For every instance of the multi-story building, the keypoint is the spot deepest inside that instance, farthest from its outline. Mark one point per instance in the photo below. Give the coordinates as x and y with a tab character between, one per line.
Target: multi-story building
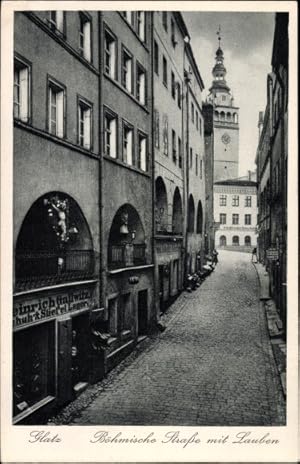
235	209
56	207
209	235
195	159
226	123
277	113
126	179
169	31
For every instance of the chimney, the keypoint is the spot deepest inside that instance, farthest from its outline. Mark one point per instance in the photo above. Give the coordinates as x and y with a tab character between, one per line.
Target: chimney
260	122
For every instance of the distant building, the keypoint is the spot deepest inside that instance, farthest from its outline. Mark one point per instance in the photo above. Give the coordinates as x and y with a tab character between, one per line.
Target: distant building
235	211
226	123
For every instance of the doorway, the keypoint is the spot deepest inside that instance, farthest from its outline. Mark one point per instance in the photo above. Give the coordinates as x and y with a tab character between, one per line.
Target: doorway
80	349
142	312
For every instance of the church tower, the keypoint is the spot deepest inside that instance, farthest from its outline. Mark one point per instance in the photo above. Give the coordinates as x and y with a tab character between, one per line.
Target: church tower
226	122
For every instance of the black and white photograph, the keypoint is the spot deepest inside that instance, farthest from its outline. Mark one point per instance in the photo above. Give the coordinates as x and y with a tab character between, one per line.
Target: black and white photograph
150	219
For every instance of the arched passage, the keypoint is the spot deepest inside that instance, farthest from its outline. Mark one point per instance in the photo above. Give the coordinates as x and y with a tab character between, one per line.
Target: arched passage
199	218
126	243
161	205
54	242
177	218
217	115
235	117
223	241
228	117
191	214
235	240
222	116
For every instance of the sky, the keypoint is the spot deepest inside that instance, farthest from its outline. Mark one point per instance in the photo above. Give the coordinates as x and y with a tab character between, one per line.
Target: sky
247	40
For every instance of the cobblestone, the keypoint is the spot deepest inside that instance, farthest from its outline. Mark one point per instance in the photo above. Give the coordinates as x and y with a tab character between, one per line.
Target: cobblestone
213	365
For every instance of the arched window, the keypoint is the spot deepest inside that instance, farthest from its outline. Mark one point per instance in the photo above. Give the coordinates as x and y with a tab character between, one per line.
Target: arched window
223	241
191	215
222	116
217	115
161	206
199	218
235	117
228	117
247	240
177	218
235	240
54	244
126	243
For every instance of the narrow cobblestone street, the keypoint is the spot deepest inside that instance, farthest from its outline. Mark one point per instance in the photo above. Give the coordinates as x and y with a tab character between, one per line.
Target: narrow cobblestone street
212	366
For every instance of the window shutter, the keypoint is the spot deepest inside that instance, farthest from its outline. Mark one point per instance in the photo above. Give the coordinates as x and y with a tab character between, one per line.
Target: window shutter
87	128
87	40
24	94
113	138
60	20
60	114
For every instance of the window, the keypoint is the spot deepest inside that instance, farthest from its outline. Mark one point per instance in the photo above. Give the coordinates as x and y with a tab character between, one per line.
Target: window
223	97
142	152
165	72
56	21
21	91
247	219
174	146
129	16
200	121
248	201
84	124
223	200
56	109
193	112
140	84
247	240
85	36
196	162
128	145
173	36
235	219
110	134
140	24
156	58
191	157
201	168
173	89
110	55
166	134
222	218
178	94
127	70
165	20
235	200
197	120
156	128
179	153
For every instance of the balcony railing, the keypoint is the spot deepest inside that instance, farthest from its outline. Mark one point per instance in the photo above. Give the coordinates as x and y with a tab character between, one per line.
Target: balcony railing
42	268
126	255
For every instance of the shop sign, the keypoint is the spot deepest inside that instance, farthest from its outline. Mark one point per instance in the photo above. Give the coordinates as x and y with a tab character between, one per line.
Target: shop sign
168	247
32	310
272	254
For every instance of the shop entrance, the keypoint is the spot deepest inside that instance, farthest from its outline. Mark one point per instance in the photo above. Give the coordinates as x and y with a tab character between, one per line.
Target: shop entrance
142	312
80	349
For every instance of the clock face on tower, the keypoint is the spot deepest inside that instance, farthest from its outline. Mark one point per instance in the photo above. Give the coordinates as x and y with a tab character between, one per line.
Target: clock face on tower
225	138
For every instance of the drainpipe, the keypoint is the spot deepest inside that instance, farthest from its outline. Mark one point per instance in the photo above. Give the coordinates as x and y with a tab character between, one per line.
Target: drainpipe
100	102
156	305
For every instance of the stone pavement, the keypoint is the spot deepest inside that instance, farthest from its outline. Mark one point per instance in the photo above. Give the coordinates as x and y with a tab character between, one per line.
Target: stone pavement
213	365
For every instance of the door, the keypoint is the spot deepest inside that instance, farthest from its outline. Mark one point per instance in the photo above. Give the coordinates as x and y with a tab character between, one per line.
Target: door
80	349
142	312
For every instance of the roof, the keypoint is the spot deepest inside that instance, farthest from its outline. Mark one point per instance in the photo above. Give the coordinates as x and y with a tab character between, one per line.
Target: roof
241	183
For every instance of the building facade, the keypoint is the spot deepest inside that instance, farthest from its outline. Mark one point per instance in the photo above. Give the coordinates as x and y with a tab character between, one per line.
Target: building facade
209	235
226	123
235	210
56	208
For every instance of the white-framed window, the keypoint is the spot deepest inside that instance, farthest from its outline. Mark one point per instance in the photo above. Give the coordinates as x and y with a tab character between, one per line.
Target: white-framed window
222	218
110	134
56	99
21	91
142	152
223	200
85	40
235	200
248	201
110	55
128	144
84	124
140	84
235	219
141	24
57	21
127	70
